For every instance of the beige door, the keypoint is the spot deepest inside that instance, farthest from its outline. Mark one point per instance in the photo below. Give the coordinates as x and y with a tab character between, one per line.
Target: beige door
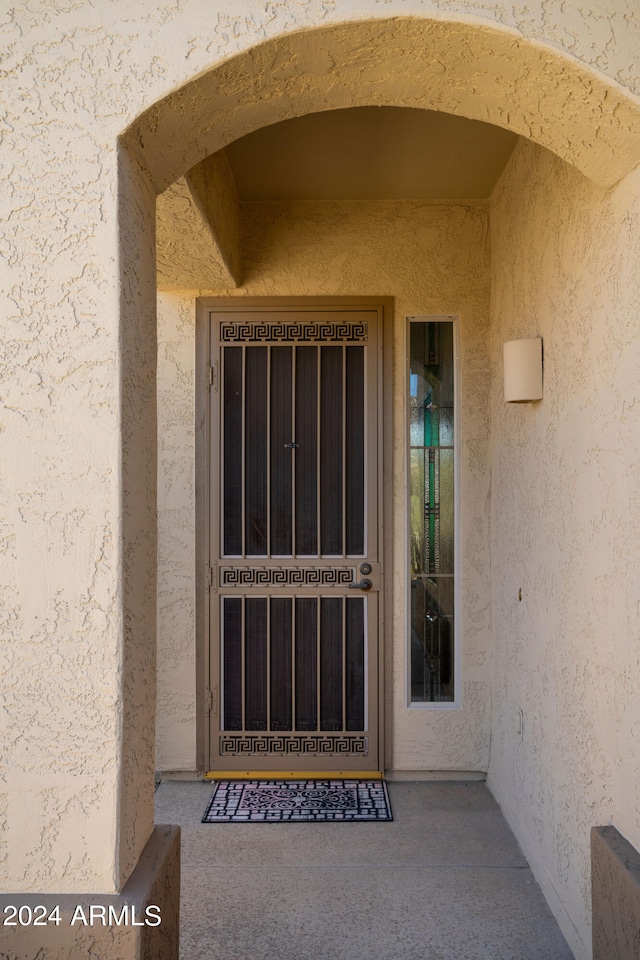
294	539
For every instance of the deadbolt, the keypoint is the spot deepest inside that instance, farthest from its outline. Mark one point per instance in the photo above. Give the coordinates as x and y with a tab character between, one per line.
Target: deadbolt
365	568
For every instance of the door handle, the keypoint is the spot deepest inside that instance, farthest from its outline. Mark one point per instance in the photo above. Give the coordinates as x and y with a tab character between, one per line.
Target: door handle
362	585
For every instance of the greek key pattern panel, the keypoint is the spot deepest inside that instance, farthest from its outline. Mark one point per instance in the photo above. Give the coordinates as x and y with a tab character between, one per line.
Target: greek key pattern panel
260	331
306	744
287	576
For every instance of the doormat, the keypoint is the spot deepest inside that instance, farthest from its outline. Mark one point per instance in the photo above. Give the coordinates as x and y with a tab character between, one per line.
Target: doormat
298	801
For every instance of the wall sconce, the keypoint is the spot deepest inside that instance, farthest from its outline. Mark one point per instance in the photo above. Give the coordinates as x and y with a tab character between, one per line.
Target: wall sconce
523	370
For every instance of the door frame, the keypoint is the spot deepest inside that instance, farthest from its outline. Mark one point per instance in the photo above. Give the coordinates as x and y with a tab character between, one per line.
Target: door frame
203	456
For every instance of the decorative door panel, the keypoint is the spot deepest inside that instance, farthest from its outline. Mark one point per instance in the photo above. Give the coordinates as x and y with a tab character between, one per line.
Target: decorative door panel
294	540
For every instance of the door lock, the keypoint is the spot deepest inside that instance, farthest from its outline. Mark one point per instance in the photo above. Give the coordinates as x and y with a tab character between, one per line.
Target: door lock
365	568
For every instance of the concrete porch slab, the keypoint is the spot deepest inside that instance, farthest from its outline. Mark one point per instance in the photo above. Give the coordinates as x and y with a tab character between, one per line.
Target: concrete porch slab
444	881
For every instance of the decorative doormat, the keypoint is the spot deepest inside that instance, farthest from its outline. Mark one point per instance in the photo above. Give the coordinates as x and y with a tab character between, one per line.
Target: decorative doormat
298	801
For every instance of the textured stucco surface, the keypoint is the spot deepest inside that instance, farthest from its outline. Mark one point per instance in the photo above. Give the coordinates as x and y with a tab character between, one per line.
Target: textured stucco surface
77	448
198	229
61	609
155	881
136	664
187	253
615	895
433	259
213	187
459	68
566	521
176	708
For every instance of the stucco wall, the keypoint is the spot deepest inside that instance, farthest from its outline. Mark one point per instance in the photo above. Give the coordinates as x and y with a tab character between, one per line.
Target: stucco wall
76	74
566	521
456	66
177	665
433	259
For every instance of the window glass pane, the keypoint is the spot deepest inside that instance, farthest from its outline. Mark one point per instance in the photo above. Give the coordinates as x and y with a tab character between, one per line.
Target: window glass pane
445	518
432	639
431	520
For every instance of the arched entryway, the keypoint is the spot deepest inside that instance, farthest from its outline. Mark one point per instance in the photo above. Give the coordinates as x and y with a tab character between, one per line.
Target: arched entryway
457	67
464	69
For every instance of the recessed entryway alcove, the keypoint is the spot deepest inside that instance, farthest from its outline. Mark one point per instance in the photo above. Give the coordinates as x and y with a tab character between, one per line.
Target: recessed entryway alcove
458	69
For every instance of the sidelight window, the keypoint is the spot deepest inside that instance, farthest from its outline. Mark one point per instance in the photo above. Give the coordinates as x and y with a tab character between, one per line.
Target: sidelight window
432	541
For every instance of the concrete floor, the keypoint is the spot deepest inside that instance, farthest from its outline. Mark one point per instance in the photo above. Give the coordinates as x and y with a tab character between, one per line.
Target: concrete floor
445	880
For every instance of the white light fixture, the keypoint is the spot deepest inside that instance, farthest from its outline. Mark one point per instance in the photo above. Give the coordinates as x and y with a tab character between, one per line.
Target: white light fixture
523	370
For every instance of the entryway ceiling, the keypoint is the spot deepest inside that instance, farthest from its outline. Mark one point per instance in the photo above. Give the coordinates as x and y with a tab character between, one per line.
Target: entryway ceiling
355	154
371	153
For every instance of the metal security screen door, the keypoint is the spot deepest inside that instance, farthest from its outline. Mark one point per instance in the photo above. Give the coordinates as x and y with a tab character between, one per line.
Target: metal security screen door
294	539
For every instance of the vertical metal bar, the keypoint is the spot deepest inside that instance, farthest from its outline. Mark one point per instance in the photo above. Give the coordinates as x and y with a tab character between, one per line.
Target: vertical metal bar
344	664
268	457
365	658
343	354
243	685
318	461
294	387
221	697
369	469
293	664
318	677
243	501
221	464
268	662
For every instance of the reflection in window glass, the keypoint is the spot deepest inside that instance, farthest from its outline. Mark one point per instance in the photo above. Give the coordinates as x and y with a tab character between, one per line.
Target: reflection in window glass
431	465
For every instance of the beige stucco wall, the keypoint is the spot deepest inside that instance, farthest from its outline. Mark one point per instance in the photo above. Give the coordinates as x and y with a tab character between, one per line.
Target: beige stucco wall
566	522
76	443
177	660
459	67
434	259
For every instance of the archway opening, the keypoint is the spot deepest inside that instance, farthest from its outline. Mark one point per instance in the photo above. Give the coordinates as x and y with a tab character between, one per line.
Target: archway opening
460	69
